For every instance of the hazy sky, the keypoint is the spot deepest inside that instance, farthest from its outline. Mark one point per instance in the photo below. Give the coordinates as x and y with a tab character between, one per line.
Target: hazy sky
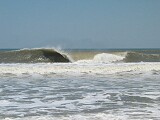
80	23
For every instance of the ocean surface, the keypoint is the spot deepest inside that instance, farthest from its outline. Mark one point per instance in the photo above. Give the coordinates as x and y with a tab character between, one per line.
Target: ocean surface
49	84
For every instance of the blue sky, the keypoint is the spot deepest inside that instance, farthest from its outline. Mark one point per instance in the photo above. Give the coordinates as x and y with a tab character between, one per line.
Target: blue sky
80	23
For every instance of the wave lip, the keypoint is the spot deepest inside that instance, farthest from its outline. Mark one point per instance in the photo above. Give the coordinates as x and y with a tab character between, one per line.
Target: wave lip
40	55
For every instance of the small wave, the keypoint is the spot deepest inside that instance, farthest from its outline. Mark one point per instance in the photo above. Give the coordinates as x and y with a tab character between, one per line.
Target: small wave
141	57
39	55
117	56
104	58
128	57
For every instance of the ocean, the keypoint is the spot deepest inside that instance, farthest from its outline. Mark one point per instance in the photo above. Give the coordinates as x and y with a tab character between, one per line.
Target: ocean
76	84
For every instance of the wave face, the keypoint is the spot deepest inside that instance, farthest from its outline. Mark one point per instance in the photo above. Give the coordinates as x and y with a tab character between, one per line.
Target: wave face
141	57
33	56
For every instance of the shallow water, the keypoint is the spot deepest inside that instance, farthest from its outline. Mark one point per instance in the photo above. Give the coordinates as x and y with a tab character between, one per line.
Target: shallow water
80	91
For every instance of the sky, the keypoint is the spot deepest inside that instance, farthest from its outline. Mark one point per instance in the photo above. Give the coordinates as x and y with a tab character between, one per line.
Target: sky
80	24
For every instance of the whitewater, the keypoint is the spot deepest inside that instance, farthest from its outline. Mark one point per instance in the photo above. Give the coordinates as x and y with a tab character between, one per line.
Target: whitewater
46	84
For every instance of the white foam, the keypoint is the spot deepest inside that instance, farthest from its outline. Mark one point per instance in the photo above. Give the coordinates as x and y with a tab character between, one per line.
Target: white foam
107	58
151	95
1	90
98	116
87	100
103	58
5	103
74	69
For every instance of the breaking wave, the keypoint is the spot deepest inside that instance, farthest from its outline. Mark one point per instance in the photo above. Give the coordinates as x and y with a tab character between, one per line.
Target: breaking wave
41	55
107	58
125	57
103	58
48	55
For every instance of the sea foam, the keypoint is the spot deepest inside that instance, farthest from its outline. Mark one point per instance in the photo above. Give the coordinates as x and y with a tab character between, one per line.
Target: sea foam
99	116
75	69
